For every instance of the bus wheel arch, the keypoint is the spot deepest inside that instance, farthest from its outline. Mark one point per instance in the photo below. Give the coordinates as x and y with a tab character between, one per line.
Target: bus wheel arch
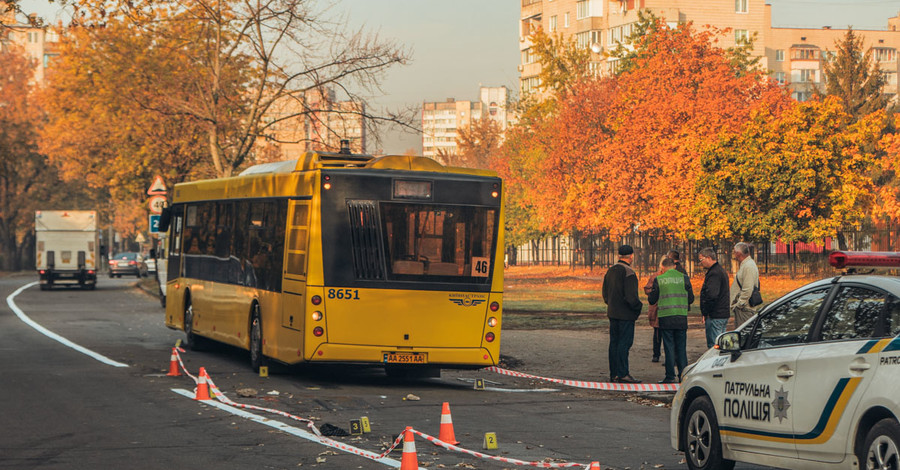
257	359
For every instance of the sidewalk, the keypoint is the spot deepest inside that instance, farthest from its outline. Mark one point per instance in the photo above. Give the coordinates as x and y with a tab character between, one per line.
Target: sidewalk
582	354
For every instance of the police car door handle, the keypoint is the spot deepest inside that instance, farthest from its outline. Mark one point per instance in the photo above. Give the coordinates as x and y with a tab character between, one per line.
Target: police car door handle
785	374
860	366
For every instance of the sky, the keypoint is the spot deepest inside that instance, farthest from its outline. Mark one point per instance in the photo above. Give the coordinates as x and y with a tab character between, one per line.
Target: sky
459	45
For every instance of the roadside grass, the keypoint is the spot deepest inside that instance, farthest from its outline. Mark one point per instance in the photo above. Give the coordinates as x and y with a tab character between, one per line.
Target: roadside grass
550	297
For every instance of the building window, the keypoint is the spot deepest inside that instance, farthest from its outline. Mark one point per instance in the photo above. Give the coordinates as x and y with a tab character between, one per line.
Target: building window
779	77
884	54
553	24
805	54
779	55
801	95
583	39
808	76
566	20
582	9
740	6
741	36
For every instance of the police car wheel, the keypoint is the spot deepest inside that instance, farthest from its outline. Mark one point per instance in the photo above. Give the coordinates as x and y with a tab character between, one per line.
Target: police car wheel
882	448
702	444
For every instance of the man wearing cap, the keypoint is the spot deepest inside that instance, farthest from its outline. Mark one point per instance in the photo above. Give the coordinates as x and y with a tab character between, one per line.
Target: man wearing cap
620	292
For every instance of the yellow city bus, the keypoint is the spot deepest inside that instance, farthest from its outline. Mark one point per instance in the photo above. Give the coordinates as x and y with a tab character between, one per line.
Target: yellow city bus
342	258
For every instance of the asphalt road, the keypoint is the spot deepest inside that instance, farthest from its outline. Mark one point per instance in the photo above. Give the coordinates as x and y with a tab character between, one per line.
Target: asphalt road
60	408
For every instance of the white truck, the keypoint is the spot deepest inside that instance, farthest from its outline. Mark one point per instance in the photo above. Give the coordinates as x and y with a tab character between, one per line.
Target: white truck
67	244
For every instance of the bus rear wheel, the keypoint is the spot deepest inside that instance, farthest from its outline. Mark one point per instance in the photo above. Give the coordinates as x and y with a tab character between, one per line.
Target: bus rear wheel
257	359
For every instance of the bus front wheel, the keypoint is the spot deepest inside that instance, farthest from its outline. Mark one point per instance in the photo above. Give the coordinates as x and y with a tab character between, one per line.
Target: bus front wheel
257	359
191	340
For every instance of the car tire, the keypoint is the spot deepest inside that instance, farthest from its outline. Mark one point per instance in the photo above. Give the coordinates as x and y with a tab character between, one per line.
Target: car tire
257	359
702	442
192	341
882	446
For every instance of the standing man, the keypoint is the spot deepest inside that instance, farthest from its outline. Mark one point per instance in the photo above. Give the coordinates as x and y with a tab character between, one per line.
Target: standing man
745	280
620	292
715	303
672	293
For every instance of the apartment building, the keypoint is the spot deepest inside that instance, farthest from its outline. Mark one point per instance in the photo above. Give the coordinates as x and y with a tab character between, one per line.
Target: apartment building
441	121
39	43
794	56
315	121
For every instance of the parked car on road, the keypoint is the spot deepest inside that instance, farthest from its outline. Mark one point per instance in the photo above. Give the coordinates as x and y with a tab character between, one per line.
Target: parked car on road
810	382
127	263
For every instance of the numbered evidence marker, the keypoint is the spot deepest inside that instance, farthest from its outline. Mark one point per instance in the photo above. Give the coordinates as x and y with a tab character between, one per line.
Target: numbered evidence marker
263	371
490	441
366	427
479	384
355	427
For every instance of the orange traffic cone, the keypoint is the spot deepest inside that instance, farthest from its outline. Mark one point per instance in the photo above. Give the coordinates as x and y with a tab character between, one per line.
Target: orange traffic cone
594	466
446	431
173	365
409	461
202	386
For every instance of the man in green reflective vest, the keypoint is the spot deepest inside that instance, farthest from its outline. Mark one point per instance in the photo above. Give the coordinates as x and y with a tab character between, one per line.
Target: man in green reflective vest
672	293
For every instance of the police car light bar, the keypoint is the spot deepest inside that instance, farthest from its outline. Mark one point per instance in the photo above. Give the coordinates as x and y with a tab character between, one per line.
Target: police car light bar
843	259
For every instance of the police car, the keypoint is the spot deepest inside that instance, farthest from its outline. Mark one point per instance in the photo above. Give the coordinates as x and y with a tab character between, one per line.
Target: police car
812	381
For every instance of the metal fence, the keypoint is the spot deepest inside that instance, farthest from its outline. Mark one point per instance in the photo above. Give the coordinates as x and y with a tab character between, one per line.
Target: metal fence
792	259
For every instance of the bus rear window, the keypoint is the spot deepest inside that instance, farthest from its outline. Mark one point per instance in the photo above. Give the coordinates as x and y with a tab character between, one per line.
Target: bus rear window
435	241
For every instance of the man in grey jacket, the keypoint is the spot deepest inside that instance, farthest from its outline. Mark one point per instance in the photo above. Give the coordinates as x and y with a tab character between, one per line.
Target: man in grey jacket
746	278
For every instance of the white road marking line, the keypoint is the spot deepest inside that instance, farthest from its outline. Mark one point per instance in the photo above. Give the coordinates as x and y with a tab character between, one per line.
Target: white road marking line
28	321
286	428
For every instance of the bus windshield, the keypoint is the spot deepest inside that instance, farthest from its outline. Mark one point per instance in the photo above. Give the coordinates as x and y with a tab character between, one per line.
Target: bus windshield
439	240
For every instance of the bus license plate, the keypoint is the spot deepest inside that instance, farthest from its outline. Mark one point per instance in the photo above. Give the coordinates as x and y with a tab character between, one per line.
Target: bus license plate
405	358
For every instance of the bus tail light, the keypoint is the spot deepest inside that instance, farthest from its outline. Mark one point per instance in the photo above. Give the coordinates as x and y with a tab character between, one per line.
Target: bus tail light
495	306
41	271
317	315
492	322
318	331
489	337
316	300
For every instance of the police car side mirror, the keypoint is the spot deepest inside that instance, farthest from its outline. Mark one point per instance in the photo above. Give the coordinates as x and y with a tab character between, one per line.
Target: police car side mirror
730	342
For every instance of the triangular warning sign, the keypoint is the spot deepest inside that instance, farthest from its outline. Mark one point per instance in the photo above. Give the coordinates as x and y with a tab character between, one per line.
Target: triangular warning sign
158	186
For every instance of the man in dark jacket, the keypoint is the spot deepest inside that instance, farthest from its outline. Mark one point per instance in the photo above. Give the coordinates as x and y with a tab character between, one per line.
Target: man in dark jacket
672	294
715	304
620	292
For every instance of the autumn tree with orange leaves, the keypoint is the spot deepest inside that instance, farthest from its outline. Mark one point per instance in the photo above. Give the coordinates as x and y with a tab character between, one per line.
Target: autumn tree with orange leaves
623	152
27	181
801	174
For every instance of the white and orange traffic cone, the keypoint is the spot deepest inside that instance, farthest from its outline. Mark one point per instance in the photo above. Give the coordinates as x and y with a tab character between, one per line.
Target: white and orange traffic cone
174	371
202	386
446	432
409	461
594	466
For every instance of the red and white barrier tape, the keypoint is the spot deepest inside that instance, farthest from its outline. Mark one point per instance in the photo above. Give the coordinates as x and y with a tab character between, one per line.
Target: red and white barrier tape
618	387
480	455
371	455
309	423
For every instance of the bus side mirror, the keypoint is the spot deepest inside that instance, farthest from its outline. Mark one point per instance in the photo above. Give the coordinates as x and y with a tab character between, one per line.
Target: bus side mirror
164	218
